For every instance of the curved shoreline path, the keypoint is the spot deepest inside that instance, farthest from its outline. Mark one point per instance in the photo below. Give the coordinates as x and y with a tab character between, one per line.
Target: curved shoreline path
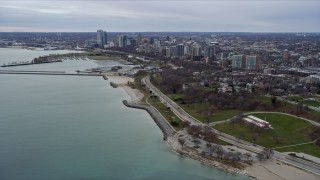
157	117
305	165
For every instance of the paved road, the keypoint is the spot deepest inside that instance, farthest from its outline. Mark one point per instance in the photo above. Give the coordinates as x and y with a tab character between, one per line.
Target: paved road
230	139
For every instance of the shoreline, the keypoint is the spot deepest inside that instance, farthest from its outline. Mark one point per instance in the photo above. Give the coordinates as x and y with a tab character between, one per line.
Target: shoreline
172	141
270	169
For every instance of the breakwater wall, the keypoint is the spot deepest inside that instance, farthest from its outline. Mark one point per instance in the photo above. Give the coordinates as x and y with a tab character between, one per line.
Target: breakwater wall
59	73
160	121
52	73
28	63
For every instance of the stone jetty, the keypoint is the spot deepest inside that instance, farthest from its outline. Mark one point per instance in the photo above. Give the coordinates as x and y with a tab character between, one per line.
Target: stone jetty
158	118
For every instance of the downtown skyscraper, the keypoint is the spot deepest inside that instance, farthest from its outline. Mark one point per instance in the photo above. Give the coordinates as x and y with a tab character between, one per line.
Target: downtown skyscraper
102	38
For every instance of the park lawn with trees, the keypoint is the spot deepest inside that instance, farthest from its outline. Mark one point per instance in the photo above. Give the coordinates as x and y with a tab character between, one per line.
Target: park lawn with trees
306	101
199	110
286	131
114	58
312	103
294	98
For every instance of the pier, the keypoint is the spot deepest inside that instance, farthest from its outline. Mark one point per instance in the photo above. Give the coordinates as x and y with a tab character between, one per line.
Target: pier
56	73
28	63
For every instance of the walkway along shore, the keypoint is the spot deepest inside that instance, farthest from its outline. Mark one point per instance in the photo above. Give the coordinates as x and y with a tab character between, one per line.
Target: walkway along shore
160	121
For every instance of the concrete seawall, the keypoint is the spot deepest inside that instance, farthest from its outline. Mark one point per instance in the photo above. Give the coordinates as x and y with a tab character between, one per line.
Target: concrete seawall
160	121
50	73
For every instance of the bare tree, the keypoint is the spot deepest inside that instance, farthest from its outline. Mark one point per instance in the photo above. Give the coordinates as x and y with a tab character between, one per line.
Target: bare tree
236	157
261	156
220	151
181	141
268	152
196	142
229	155
247	156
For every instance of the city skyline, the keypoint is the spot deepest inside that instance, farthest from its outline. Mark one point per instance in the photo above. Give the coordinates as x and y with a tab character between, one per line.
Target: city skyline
159	16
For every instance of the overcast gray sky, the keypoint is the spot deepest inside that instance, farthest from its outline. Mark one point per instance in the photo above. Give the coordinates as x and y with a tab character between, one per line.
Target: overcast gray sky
160	15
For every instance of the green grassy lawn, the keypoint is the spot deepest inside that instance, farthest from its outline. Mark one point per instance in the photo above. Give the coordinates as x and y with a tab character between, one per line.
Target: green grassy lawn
224	114
295	98
141	88
167	113
115	58
291	109
175	96
315	103
311	149
196	110
287	131
218	141
311	103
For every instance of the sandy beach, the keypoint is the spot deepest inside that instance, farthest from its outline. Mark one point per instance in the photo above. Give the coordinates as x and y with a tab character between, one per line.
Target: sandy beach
277	170
122	82
271	169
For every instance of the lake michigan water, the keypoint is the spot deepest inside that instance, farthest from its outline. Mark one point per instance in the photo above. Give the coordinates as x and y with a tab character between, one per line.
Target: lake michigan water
63	127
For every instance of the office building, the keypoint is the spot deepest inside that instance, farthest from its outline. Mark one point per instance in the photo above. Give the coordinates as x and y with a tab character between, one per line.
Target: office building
196	50
209	53
252	62
122	40
173	51
102	38
238	61
180	50
168	54
133	42
196	53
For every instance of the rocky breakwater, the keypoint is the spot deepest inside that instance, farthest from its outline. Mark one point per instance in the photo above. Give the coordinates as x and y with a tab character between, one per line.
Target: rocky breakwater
158	118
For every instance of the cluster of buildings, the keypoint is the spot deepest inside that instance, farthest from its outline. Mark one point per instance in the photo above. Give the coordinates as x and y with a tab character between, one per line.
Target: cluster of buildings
47	41
253	52
250	62
276	64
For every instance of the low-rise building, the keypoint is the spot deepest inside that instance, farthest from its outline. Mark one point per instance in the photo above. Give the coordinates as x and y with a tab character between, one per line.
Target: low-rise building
257	122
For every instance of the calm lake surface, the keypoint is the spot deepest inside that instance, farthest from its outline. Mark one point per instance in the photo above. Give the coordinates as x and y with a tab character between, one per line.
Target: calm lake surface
62	127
